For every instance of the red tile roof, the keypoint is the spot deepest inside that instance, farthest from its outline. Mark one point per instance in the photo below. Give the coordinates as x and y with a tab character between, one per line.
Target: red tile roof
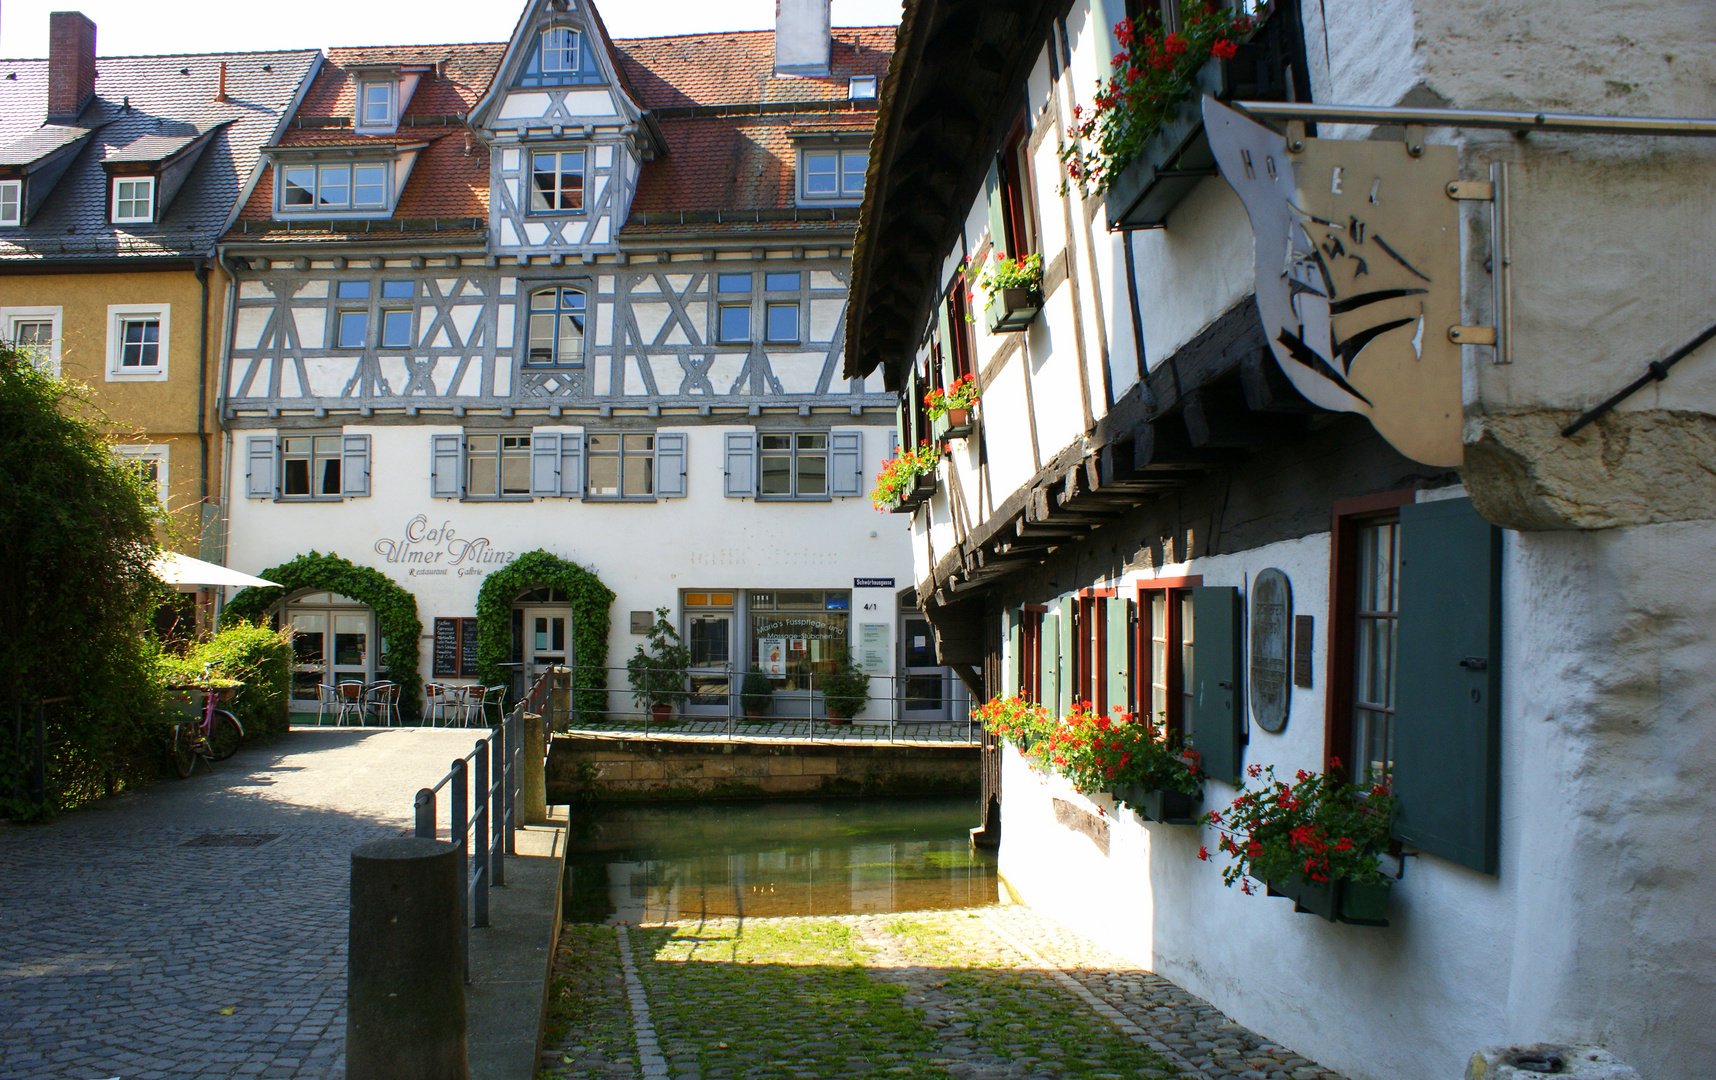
738	68
462	74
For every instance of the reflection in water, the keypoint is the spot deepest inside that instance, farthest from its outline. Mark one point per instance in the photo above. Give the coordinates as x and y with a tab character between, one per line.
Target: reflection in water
640	864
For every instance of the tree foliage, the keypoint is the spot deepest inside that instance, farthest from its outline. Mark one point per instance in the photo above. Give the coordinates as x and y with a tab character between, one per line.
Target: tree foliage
395	610
77	534
590	601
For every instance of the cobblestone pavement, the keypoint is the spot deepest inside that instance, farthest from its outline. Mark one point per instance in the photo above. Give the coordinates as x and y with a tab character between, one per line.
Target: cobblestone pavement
197	928
980	994
914	733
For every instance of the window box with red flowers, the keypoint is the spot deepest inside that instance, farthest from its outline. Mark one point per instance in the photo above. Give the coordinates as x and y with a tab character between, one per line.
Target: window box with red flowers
954	403
1015	289
1142	146
1317	841
1123	755
1016	720
905	480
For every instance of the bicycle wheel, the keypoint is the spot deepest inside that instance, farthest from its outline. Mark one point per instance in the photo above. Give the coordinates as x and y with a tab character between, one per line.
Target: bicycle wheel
225	737
183	749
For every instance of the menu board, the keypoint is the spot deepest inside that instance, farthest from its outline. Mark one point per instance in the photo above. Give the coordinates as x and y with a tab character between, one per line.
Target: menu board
455	648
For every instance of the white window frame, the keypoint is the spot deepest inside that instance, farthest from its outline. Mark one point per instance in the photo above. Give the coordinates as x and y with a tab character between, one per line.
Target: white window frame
10	317
11	202
350	207
572	45
117	315
841	194
132	219
560	187
387	122
862	88
156	452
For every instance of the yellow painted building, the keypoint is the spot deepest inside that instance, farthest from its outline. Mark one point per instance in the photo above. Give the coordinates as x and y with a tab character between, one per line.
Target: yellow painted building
117	176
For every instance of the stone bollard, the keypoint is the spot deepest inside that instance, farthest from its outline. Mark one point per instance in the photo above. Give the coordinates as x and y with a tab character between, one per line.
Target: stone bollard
1540	1059
405	981
532	805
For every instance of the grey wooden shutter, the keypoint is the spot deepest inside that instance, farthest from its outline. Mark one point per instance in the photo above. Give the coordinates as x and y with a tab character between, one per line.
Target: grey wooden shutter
1049	661
1066	658
1216	694
741	465
354	465
446	456
1447	720
997	221
670	464
846	463
545	463
1015	642
572	464
1119	615
259	472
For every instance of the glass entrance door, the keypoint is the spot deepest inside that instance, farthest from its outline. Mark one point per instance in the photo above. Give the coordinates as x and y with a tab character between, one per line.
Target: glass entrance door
923	683
709	636
547	641
309	655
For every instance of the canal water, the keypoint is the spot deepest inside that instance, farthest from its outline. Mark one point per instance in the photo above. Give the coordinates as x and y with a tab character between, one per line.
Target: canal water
664	863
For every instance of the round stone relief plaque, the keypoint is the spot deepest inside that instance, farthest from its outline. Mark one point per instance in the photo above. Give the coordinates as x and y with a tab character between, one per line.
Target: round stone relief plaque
1271	623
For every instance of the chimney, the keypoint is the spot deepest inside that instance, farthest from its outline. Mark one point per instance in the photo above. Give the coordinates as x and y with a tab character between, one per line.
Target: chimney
801	37
220	91
71	64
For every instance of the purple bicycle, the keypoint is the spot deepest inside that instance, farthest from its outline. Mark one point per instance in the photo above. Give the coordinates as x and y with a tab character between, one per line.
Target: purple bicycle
206	731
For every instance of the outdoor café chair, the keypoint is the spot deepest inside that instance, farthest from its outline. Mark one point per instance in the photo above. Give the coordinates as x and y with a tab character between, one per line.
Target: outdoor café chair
326	698
493	695
350	701
437	696
383	698
470	704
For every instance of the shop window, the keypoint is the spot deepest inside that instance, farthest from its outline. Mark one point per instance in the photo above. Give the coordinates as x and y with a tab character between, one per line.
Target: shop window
497	466
793	466
556	328
798	635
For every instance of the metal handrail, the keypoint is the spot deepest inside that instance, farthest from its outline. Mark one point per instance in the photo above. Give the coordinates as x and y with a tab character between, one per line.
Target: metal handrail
489	771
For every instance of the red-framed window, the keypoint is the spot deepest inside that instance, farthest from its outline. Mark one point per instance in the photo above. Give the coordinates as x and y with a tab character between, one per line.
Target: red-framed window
1031	653
1364	627
1018	237
1165	636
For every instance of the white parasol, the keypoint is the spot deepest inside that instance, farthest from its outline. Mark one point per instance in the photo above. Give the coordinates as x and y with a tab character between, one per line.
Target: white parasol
184	571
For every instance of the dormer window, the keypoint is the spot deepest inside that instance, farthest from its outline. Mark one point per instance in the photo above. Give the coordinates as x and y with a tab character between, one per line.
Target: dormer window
333	188
561	57
861	88
557	182
11	202
134	200
375	104
832	175
559	50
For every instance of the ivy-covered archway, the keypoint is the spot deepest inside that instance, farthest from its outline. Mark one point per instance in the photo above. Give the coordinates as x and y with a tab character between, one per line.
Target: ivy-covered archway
590	600
395	611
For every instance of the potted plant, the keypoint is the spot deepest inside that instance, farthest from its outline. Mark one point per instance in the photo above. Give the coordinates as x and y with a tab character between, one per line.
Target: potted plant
1317	841
1015	288
756	693
1143	147
906	479
657	673
1127	756
846	690
1015	720
954	403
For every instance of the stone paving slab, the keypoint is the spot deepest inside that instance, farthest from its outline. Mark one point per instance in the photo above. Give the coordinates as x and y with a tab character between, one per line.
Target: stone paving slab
130	952
978	994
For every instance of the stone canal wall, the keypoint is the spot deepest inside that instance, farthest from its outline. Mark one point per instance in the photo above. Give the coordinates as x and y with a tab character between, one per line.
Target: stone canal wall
617	768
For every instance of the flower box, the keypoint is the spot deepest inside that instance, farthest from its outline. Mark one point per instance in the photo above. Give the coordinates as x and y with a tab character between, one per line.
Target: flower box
1010	310
958	424
1173	161
1360	903
923	486
1164	805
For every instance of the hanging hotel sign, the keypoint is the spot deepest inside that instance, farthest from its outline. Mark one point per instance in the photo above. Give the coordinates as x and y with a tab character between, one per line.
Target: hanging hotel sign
438	550
1358	273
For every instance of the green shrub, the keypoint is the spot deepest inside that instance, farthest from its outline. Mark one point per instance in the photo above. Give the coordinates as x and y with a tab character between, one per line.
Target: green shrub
253	654
757	692
847	691
77	534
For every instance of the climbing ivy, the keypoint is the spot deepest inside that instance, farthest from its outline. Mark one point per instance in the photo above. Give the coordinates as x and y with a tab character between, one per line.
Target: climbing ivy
590	601
395	610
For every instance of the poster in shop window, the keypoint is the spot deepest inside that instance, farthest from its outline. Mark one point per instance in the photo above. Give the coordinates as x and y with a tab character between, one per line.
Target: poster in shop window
772	656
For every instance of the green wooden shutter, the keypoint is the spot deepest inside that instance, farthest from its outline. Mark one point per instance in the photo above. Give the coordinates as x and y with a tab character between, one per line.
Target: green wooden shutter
1048	661
1216	691
1066	659
1119	613
1015	642
1447	720
944	339
997	216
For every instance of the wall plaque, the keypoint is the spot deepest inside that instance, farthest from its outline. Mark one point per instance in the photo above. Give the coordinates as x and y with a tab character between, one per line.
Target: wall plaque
1304	634
1271	616
874	656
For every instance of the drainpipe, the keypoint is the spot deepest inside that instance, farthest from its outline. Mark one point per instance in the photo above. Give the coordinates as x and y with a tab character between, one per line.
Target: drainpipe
202	271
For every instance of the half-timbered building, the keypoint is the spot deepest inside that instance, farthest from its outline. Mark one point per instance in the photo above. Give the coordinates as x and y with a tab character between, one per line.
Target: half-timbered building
1327	438
581	295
